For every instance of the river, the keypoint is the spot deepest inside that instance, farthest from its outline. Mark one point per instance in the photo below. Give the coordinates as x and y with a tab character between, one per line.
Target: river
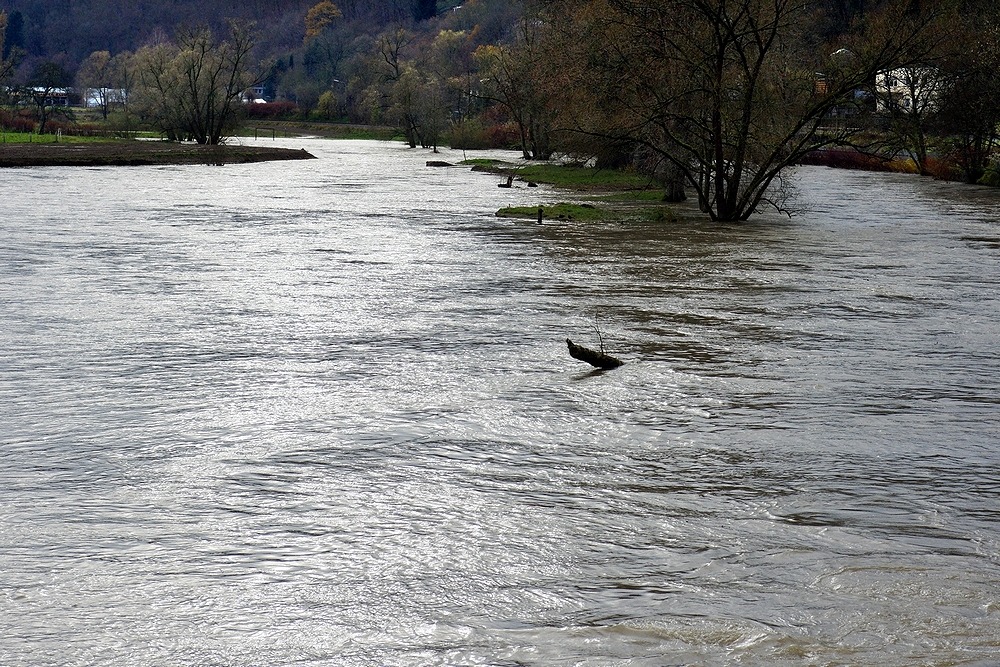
322	413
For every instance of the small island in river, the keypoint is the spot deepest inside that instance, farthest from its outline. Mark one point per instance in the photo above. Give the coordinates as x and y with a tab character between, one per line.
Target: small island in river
134	153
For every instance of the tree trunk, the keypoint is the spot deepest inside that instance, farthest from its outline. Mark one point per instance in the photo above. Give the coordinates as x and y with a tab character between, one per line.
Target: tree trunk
673	184
595	359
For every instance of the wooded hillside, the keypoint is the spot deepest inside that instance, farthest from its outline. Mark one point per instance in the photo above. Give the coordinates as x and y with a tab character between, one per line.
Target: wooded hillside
69	30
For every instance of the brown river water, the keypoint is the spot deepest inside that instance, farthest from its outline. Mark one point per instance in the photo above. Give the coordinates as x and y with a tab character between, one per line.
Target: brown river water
322	413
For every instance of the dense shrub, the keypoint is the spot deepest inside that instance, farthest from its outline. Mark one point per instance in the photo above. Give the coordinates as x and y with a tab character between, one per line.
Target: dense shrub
272	110
849	159
944	169
902	166
17	122
992	176
470	135
504	135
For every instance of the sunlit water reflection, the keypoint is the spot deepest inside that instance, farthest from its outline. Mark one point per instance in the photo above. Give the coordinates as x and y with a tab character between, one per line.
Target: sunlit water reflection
321	413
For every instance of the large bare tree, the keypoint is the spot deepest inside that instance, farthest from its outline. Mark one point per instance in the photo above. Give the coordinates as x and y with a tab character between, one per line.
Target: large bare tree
105	79
194	88
969	111
509	78
728	92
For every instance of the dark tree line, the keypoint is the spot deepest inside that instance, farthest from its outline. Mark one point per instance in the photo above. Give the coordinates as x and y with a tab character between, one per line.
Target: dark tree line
73	30
719	97
70	31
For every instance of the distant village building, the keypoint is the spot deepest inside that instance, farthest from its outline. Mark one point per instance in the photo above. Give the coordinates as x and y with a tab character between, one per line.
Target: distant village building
853	104
55	97
908	90
856	102
255	95
98	97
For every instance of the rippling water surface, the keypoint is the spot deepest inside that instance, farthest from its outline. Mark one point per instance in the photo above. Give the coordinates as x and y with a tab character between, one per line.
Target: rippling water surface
321	413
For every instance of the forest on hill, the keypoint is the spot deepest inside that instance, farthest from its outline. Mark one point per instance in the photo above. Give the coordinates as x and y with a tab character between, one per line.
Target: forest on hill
69	30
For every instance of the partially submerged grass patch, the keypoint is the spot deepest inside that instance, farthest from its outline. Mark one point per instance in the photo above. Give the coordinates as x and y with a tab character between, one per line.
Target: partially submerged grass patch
616	195
560	211
639	196
130	153
589	213
570	176
485	162
584	178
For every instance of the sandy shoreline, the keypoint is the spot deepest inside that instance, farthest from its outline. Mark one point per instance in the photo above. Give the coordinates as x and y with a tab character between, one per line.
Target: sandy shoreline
134	153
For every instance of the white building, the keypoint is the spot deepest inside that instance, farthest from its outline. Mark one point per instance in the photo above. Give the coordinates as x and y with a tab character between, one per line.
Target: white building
909	90
98	97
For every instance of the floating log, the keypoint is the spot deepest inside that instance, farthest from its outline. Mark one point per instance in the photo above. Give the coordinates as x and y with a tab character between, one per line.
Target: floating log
439	163
596	359
508	184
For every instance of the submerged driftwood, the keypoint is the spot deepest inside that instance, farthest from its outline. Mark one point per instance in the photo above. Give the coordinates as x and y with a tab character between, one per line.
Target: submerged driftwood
596	359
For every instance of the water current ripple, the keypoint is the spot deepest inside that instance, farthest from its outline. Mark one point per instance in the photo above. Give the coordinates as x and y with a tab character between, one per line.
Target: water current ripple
321	413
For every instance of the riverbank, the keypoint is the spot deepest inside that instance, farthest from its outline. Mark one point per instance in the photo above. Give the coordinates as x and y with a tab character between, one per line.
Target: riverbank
269	129
136	153
849	158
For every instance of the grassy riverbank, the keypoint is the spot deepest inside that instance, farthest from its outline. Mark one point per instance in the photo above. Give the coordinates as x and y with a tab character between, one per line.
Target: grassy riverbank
27	149
83	152
9	137
944	170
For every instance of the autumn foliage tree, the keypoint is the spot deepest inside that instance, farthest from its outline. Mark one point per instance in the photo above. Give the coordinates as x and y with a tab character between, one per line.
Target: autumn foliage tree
320	16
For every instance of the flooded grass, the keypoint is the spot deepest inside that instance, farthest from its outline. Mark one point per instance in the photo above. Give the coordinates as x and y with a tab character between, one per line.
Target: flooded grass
571	176
590	213
560	211
616	195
